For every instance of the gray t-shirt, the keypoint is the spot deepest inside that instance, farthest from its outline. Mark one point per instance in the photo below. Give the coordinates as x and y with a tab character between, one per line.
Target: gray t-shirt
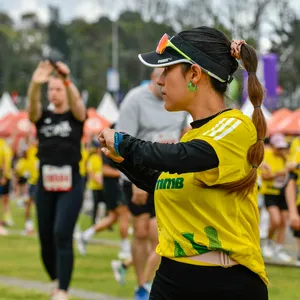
143	116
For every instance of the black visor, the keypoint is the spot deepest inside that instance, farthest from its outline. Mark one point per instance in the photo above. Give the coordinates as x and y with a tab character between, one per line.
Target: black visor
171	57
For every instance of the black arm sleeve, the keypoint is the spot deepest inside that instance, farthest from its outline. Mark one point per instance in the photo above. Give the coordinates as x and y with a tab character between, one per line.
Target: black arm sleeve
192	156
293	176
144	178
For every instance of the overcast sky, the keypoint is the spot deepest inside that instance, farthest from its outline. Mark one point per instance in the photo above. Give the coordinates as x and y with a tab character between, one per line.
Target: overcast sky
88	9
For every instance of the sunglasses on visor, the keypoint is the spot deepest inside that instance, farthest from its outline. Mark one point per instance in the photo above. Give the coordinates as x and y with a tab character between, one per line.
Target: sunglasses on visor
165	42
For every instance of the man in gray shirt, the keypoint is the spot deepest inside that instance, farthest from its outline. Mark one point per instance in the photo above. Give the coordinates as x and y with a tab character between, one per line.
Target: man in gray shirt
142	115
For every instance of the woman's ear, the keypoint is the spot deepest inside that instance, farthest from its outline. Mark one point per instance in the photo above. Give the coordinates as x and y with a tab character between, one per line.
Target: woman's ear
196	73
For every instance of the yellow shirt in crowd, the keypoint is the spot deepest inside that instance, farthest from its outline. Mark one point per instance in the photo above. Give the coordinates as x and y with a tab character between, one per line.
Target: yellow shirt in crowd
95	167
22	168
83	162
193	219
276	164
2	154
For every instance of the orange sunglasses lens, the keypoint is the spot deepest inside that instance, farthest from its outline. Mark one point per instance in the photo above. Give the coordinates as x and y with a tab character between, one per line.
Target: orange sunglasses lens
162	44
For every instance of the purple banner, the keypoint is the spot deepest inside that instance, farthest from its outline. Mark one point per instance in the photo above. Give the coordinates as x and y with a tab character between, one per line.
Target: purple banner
268	75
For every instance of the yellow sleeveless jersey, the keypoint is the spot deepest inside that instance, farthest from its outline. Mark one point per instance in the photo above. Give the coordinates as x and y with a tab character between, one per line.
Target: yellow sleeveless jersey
295	147
296	159
8	152
83	162
32	151
194	219
2	154
276	164
33	167
94	167
22	168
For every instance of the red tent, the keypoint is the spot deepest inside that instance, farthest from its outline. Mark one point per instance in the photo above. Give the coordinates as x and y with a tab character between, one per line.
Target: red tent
16	125
291	124
94	123
279	120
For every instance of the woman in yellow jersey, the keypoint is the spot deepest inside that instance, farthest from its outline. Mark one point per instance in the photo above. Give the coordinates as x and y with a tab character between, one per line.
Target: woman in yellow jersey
95	177
33	169
205	186
273	188
7	175
22	175
4	182
293	196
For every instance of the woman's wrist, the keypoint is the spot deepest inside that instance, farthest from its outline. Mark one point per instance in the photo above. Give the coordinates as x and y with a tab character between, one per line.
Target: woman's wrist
67	81
118	138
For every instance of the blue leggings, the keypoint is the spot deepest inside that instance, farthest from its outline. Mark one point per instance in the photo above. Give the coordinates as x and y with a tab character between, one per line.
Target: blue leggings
57	213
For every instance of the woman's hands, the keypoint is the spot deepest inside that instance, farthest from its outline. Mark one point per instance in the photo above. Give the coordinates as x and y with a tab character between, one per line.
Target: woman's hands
44	69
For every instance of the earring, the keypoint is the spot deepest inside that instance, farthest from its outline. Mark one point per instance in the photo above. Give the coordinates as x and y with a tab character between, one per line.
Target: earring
192	87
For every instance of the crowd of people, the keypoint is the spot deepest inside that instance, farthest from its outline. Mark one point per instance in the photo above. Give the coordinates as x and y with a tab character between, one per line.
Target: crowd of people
192	192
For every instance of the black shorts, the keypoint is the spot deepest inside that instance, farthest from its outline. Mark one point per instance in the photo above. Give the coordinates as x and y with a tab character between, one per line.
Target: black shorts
32	191
5	188
276	200
22	180
181	281
113	194
297	232
137	210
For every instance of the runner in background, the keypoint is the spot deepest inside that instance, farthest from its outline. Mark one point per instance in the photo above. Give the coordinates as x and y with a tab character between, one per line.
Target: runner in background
116	207
94	167
4	184
5	189
274	181
59	191
292	193
33	169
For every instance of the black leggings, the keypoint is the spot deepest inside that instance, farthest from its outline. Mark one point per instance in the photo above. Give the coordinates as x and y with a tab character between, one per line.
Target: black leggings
180	281
57	213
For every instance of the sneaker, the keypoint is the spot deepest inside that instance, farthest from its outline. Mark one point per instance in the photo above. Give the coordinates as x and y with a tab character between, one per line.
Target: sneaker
268	249
119	271
130	230
53	288
29	227
3	231
283	256
81	244
8	221
141	294
60	295
125	252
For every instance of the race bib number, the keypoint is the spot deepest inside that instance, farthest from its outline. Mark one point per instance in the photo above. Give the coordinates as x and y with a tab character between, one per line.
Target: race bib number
166	137
57	179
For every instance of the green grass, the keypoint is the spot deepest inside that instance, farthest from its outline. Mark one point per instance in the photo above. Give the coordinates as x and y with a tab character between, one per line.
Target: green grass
7	293
20	258
283	283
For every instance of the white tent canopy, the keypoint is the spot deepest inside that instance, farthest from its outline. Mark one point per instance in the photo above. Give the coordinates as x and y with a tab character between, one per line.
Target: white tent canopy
7	106
108	108
248	108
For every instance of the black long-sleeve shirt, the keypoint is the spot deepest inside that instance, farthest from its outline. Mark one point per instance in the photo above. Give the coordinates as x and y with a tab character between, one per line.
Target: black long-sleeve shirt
144	161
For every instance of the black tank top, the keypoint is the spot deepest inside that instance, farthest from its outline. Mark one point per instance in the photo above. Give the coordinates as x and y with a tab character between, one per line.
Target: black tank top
59	138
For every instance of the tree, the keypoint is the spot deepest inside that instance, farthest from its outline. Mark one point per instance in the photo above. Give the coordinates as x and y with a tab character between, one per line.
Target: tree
286	42
58	38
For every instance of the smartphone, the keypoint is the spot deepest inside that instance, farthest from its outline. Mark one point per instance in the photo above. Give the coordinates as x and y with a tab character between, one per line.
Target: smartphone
53	63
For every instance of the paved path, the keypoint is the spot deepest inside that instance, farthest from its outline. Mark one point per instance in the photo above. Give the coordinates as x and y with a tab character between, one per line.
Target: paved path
45	288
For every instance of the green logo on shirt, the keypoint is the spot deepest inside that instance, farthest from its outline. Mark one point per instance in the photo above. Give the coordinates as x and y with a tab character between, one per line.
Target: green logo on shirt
169	183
